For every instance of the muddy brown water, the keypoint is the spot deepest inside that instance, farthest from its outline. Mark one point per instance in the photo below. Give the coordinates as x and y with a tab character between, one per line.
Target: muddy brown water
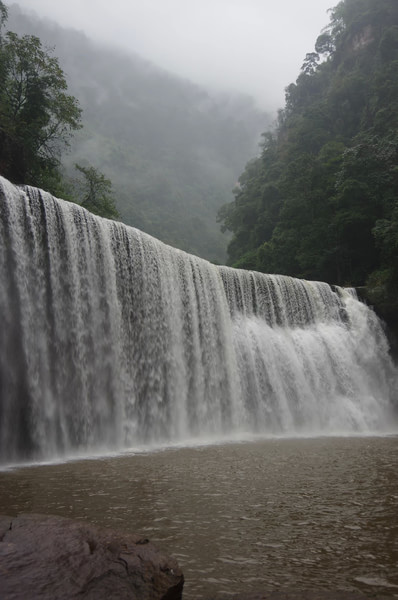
302	514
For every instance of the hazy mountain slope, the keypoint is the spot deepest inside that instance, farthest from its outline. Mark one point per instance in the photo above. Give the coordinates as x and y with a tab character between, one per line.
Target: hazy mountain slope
172	150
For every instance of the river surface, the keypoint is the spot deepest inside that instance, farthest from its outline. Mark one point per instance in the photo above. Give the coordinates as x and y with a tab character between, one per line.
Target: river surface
301	514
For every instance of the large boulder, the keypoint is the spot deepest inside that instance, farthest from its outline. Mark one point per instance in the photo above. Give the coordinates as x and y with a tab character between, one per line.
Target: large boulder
54	558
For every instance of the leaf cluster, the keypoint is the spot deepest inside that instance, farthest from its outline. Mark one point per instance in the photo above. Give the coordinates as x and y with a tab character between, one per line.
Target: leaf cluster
95	192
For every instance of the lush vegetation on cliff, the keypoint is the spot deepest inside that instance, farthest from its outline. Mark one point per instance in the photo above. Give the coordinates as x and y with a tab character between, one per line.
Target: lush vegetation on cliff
321	202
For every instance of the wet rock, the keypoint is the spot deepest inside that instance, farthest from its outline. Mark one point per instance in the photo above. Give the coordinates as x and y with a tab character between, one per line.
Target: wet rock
54	558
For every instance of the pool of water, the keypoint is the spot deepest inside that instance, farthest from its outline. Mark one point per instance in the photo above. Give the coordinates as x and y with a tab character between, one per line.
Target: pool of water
265	515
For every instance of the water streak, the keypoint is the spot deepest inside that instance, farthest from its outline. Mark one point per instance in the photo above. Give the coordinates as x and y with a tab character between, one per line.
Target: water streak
111	339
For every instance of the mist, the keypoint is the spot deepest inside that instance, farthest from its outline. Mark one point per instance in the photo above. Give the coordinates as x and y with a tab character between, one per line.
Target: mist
254	47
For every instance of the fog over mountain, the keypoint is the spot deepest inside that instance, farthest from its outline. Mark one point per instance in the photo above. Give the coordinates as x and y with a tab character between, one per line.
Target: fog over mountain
252	46
172	149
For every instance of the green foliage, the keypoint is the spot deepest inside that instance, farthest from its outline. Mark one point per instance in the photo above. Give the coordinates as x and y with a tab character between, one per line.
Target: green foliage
95	192
322	200
37	116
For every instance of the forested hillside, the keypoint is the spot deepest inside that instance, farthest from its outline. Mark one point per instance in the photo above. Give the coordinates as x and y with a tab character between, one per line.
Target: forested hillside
172	150
321	202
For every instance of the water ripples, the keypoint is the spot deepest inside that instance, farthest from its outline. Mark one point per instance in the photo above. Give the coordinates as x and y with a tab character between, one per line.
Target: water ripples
318	514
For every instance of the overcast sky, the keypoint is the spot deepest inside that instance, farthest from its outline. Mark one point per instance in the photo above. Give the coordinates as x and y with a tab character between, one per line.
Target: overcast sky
253	46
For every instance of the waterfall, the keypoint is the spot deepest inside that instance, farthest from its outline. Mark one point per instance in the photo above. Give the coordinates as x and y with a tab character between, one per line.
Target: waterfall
111	339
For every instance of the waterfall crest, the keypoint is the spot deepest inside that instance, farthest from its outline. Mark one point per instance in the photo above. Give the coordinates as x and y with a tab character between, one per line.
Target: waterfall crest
111	339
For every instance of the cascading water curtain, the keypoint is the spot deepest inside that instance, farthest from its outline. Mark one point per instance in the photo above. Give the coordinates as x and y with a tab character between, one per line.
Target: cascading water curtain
111	339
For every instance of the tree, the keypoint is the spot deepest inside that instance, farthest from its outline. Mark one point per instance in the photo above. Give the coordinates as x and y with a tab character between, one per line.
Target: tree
96	191
3	14
37	116
310	63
